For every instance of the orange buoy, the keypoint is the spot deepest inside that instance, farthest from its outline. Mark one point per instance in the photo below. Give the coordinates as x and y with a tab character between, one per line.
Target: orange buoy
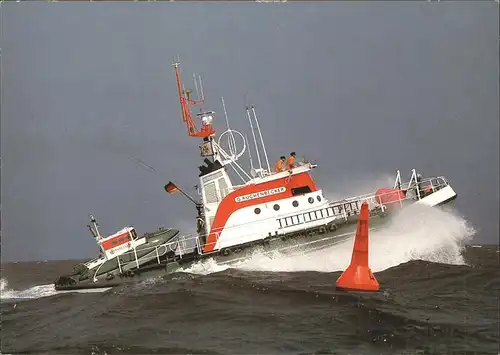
358	275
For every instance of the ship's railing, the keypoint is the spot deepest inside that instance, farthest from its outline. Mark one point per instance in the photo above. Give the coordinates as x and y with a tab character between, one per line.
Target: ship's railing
133	258
343	209
419	184
298	163
434	183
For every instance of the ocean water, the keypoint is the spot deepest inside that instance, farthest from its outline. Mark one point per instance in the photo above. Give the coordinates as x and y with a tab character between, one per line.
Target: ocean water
439	294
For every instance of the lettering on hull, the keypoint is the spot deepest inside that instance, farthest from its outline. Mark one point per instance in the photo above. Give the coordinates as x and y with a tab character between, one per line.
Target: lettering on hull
260	194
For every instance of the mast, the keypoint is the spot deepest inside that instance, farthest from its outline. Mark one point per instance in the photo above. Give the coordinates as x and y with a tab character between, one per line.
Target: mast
231	142
187	104
210	147
254	139
261	139
249	155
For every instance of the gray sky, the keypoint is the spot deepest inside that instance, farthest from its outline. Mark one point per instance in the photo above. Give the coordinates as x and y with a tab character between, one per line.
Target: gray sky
364	89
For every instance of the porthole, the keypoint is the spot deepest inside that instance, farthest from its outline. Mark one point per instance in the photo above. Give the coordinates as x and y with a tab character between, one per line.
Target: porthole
295	204
310	199
257	210
319	198
276	207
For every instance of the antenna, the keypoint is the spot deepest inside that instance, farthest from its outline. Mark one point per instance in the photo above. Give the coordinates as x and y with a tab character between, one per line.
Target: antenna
254	139
201	89
261	139
249	155
196	87
230	140
96	226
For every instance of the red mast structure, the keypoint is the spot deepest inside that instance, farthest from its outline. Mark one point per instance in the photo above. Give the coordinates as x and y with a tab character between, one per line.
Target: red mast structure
206	130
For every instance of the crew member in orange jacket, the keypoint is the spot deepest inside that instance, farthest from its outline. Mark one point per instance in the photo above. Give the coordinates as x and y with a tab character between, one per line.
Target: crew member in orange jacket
291	161
279	164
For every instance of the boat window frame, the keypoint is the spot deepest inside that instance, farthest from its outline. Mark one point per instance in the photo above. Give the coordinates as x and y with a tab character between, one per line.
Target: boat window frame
301	190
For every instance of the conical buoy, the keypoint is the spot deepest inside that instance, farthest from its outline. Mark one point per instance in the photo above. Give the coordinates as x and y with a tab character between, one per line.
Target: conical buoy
358	275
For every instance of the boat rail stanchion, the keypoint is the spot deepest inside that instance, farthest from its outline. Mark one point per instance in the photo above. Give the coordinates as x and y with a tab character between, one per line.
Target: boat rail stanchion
198	246
135	250
414	179
397	183
179	246
418	191
119	266
157	255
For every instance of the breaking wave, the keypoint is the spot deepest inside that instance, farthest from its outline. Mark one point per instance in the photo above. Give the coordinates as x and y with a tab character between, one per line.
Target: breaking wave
32	292
417	233
37	291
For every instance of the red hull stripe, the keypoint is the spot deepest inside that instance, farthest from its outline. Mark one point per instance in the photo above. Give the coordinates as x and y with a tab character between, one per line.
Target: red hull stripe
116	241
254	195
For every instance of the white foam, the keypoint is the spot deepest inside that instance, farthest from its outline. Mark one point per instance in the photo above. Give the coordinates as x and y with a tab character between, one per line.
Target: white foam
417	232
32	292
206	267
37	291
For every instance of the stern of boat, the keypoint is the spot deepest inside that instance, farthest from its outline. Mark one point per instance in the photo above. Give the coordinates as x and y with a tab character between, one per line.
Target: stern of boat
433	191
439	192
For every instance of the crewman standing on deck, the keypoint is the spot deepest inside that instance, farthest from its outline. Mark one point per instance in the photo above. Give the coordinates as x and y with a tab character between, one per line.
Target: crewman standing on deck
278	167
290	161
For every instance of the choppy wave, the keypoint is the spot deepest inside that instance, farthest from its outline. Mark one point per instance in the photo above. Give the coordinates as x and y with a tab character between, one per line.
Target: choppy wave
425	307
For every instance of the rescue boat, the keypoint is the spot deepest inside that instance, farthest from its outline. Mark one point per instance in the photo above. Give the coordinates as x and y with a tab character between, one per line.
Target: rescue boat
268	210
120	256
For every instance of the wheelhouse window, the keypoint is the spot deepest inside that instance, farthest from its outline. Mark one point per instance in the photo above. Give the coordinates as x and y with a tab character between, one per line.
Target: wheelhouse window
211	192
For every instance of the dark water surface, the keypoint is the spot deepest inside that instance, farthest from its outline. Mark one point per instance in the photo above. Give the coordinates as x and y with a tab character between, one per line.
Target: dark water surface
423	307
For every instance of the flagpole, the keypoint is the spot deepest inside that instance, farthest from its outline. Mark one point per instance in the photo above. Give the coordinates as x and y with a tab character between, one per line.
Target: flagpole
189	197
